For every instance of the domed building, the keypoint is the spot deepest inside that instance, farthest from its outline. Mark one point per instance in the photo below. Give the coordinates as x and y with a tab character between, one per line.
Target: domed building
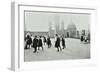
71	30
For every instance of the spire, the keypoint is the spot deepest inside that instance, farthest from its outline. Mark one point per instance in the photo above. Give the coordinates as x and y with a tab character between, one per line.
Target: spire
57	24
62	27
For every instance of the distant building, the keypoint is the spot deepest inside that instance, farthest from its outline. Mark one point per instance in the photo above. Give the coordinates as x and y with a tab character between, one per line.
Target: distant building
71	30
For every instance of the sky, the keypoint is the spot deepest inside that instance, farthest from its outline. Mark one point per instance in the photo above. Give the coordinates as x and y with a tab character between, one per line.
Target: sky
40	21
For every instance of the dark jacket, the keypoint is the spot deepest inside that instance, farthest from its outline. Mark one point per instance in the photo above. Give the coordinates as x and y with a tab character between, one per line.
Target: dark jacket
29	41
44	39
40	42
82	37
48	41
63	42
57	42
35	43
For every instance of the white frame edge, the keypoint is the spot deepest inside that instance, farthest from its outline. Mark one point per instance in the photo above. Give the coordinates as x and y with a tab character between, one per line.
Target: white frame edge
14	36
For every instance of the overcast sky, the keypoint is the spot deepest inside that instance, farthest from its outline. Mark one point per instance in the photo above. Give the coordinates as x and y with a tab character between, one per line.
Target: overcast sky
39	21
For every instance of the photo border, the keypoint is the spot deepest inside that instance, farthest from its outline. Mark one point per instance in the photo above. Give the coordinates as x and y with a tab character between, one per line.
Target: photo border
17	38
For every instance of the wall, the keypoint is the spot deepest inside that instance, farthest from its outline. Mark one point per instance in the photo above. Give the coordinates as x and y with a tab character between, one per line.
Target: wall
5	35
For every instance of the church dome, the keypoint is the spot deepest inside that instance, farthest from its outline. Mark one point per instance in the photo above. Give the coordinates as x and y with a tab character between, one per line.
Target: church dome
71	30
71	27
